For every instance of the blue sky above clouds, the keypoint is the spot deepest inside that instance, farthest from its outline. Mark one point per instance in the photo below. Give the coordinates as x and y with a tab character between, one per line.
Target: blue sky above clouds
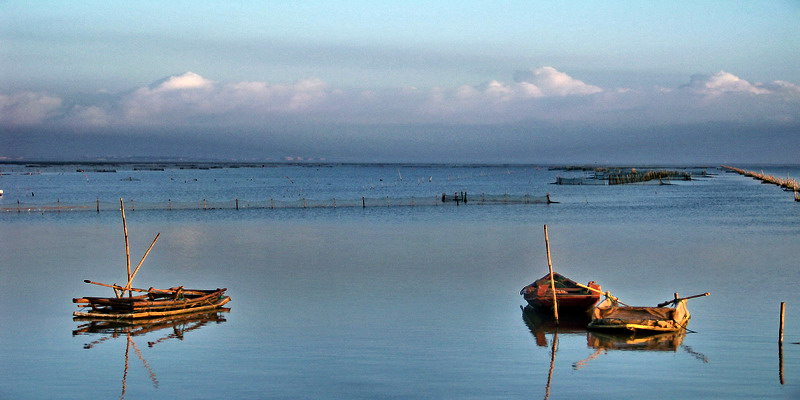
517	81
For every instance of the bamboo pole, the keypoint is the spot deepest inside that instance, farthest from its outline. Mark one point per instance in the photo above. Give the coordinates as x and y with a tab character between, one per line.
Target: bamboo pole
606	293
552	279
125	230
130	280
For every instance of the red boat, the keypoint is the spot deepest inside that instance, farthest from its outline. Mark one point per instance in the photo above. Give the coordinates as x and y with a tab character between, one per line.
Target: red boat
570	295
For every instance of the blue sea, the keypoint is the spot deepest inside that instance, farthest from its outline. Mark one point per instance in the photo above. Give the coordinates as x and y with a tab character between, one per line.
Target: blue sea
394	301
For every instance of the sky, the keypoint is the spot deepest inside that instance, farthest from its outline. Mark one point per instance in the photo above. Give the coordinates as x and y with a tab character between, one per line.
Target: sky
402	81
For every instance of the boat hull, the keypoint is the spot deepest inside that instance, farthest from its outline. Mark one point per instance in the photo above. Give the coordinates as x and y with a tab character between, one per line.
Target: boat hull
150	313
156	303
571	298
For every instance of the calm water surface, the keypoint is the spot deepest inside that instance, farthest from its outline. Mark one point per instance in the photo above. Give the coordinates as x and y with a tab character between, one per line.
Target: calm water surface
400	302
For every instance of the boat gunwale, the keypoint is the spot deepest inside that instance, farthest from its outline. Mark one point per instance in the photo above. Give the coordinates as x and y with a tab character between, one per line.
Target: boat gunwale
140	301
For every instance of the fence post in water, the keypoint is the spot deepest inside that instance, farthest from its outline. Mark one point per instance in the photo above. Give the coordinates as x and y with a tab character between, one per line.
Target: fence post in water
58	205
18	210
363	203
97	205
237	204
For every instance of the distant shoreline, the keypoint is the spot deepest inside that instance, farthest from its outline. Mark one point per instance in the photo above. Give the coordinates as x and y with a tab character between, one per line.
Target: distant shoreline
198	164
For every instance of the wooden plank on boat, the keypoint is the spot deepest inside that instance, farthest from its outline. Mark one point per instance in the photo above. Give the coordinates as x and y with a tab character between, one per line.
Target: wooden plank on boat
148	314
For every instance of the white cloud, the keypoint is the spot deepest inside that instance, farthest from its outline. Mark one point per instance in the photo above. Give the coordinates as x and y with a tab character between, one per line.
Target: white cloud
530	96
27	108
552	82
188	80
783	87
723	82
185	97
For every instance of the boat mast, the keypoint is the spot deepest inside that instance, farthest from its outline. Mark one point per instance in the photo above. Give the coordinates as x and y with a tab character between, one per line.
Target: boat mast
127	248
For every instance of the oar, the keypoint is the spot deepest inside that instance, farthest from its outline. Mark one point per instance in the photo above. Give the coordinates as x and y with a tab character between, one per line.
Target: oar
117	287
675	300
151	290
607	294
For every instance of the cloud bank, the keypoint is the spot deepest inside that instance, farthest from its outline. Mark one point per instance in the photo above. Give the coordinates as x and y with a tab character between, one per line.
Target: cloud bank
543	94
538	108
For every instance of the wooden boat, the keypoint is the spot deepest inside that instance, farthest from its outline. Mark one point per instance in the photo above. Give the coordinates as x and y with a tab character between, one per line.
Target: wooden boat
571	296
608	315
155	303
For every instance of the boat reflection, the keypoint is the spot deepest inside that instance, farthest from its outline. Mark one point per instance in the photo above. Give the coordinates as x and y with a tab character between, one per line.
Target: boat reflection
174	327
540	323
669	341
603	342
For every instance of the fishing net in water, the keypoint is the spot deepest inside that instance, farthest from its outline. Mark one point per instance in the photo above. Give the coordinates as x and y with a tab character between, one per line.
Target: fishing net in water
443	200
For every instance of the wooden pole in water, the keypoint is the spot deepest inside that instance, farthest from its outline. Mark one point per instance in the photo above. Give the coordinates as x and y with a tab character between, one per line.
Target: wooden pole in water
780	344
125	231
780	330
552	279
